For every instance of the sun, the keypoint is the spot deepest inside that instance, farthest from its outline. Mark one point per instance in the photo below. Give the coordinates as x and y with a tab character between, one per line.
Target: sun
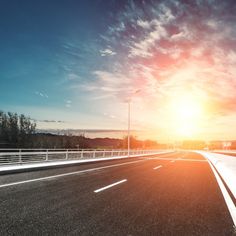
187	108
187	112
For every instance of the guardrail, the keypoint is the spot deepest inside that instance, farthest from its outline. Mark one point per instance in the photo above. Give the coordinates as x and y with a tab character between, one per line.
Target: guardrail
50	149
22	157
226	151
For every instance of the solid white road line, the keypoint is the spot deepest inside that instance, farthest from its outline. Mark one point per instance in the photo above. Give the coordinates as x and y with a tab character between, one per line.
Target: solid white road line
109	186
176	159
157	167
193	160
228	200
66	174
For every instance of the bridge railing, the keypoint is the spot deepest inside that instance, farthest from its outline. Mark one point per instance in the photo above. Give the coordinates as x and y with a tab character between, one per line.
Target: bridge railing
30	156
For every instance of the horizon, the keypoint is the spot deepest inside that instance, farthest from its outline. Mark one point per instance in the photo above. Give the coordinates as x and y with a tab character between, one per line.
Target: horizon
118	134
75	65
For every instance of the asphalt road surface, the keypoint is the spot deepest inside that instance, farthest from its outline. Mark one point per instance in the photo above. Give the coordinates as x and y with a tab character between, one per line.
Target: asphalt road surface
175	195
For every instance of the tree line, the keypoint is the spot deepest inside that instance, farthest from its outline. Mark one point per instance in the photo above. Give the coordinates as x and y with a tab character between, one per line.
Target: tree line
19	131
15	130
53	141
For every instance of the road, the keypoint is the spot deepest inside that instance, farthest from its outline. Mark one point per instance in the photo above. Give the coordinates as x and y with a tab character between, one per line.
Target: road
170	194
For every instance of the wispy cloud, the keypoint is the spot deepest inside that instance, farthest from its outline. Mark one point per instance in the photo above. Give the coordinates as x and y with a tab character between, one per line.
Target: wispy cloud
166	51
51	121
41	94
68	103
107	52
154	31
167	48
72	76
142	48
109	115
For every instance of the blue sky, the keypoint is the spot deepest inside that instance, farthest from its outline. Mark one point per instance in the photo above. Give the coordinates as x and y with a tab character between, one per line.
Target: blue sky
77	62
49	49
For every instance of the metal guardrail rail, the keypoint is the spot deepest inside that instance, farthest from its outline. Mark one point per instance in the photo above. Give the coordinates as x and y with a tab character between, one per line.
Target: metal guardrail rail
226	151
28	156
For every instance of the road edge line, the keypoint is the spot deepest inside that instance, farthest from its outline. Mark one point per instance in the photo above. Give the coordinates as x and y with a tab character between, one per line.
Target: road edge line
230	205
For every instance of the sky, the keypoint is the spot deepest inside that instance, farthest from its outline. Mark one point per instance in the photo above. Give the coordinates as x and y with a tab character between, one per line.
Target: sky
72	64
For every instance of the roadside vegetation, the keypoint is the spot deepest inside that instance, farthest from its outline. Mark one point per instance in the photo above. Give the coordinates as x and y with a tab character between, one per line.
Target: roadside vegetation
16	130
19	131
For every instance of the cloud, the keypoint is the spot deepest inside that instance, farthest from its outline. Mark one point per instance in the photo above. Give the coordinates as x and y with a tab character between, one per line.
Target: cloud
44	95
152	30
102	97
107	52
118	28
109	115
142	48
144	24
185	47
51	121
116	84
68	103
72	76
167	48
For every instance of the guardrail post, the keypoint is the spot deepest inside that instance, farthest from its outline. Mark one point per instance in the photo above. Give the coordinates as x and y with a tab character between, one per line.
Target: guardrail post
94	154
47	155
20	157
81	155
112	153
67	154
103	153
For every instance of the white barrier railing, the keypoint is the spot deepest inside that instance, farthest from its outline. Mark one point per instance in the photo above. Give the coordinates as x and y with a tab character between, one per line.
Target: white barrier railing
222	150
225	152
29	156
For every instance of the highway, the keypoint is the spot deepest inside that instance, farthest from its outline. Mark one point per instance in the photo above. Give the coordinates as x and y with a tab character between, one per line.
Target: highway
167	194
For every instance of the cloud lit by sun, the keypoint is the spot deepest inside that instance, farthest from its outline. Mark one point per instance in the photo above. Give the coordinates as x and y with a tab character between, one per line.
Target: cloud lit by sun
180	54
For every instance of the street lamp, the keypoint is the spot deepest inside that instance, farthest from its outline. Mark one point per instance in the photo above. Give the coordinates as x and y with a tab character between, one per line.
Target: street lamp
128	137
128	133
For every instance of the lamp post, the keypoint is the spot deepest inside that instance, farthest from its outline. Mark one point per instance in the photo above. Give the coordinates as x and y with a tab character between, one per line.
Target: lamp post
128	138
128	133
